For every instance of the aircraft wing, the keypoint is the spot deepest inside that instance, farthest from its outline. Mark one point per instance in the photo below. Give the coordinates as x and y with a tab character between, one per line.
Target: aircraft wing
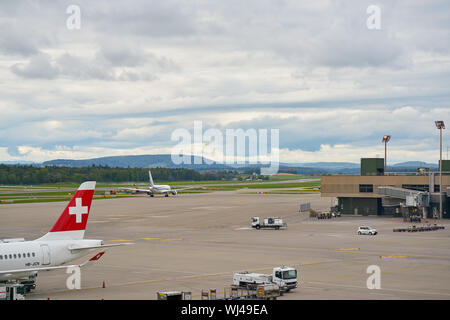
79	248
94	258
136	189
187	188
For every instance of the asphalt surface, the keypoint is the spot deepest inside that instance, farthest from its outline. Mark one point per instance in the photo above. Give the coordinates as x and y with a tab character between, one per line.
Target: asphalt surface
191	242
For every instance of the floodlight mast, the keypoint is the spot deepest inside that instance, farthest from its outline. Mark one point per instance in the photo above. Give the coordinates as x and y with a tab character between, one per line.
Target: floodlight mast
440	125
386	139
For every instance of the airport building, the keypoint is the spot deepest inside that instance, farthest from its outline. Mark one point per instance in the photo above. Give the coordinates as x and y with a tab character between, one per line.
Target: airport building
376	192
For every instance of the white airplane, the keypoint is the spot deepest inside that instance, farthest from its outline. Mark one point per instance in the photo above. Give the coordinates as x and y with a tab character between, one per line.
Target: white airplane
156	188
21	260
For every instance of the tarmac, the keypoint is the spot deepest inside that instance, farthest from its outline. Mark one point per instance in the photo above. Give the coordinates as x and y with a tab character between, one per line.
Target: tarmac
194	242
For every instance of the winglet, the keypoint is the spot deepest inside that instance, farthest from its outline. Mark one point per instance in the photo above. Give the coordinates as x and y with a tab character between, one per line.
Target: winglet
97	256
94	258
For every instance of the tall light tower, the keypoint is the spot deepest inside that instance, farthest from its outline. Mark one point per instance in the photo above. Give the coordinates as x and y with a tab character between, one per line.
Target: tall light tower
440	125
386	139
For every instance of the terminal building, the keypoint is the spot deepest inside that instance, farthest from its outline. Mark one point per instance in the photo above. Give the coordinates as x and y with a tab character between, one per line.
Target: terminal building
376	192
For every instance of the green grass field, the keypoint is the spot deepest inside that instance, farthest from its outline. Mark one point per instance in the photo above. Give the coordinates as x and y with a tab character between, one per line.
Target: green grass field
268	186
32	194
172	183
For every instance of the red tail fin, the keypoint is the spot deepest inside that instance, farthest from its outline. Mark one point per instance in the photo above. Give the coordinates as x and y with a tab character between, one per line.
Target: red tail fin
72	222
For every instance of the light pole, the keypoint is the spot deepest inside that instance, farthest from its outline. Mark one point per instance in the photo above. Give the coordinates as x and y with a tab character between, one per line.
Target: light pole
440	125
386	139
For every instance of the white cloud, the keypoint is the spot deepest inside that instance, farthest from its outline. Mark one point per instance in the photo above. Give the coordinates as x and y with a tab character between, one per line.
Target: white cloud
311	69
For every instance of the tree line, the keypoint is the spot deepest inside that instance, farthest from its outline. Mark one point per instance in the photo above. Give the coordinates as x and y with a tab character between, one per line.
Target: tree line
28	174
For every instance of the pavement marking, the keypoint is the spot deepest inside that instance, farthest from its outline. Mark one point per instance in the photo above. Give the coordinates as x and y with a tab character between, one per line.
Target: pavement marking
393	257
253	245
175	239
348	249
363	275
325	282
382	289
129	215
298	266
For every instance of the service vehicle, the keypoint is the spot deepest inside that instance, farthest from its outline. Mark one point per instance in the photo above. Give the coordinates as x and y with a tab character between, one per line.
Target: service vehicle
268	291
367	230
284	277
324	215
268	223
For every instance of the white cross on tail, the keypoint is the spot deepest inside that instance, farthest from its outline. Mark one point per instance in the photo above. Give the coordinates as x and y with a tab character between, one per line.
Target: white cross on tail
78	210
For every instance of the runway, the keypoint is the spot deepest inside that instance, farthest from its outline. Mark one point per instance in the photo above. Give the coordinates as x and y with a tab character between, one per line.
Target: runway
191	242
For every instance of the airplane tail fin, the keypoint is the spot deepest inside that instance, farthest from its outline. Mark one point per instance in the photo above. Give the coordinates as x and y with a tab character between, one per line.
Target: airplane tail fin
71	225
151	179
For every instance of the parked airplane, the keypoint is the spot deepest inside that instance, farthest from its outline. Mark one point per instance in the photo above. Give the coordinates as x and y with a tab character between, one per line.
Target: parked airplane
156	188
21	260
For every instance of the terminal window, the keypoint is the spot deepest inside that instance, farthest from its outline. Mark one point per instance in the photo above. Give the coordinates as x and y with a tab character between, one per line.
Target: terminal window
366	188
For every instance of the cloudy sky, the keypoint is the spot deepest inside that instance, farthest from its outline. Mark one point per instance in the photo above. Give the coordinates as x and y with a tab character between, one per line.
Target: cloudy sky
135	71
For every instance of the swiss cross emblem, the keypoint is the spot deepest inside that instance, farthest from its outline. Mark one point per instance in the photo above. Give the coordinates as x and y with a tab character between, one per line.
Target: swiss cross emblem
78	210
98	256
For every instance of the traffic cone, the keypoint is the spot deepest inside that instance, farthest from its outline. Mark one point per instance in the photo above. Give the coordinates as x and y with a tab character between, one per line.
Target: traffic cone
103	286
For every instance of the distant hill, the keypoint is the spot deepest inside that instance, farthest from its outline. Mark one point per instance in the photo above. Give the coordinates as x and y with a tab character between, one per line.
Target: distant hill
415	164
140	161
165	161
325	165
19	162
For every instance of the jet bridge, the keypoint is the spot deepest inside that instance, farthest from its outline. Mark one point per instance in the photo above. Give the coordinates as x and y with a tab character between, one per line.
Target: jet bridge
413	198
410	201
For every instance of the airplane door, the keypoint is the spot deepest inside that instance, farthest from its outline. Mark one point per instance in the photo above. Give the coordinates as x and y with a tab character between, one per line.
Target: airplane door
45	254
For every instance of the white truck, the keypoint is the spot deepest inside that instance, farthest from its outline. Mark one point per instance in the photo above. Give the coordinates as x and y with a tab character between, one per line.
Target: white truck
268	223
284	277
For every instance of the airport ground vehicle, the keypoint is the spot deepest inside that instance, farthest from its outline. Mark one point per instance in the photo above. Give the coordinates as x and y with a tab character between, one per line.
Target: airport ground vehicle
335	211
11	293
284	277
324	215
268	223
367	230
328	215
268	291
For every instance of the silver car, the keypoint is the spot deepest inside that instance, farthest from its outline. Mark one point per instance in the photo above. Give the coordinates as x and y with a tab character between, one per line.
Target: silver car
367	230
